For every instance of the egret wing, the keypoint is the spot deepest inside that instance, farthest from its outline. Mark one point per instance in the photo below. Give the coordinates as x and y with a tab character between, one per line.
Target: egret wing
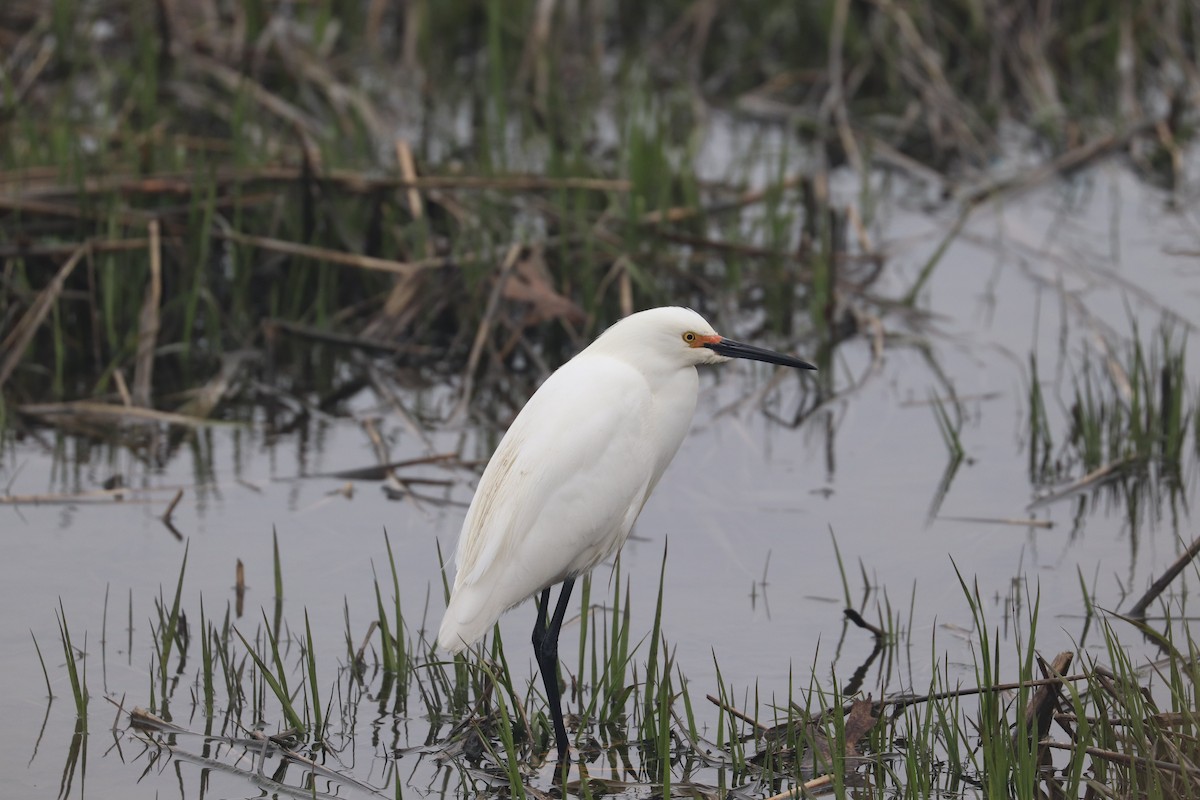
561	491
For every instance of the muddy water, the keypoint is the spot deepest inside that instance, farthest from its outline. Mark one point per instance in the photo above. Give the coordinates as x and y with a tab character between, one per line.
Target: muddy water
754	512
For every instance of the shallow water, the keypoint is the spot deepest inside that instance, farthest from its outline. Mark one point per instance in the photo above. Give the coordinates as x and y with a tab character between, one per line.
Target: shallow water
752	509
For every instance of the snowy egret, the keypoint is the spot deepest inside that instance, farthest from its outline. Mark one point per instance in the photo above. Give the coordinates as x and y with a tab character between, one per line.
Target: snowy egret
562	491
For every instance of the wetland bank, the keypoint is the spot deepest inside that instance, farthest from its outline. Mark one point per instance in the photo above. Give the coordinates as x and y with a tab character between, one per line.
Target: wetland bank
276	276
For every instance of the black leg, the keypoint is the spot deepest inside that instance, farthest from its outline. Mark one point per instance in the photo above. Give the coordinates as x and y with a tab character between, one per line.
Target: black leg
545	650
539	627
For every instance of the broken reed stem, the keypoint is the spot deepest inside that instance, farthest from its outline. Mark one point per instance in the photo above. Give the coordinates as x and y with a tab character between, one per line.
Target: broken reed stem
26	249
746	198
835	101
1093	478
347	340
384	390
1139	608
356	181
403	268
744	717
485	327
122	387
88	408
408	171
1069	161
1043	702
797	792
902	702
14	345
1124	758
166	517
148	324
857	619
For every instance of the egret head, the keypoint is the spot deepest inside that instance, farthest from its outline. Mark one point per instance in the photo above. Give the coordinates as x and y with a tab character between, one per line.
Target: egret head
682	337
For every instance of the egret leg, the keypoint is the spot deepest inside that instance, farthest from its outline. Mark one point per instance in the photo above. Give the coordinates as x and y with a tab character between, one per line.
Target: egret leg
545	650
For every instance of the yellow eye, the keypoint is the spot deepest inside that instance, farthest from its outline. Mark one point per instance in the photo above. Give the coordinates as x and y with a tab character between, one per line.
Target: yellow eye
689	337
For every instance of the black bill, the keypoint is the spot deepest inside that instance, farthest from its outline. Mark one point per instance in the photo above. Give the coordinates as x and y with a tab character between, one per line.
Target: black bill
732	349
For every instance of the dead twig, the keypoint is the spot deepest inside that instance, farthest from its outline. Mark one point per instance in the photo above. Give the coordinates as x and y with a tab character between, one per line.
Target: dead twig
1019	522
1138	611
331	256
98	497
1124	758
184	184
902	702
858	620
348	340
18	339
408	170
1069	161
746	198
166	517
239	587
1092	479
236	82
148	324
385	391
484	330
796	792
13	250
206	399
1039	711
88	408
716	701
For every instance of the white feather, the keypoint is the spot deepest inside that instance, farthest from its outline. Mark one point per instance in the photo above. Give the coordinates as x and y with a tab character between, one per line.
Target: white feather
572	473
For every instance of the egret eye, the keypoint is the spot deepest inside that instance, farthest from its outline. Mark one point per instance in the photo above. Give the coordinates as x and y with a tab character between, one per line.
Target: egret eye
689	337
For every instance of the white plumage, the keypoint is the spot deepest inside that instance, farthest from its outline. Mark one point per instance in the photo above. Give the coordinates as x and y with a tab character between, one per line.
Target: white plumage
563	489
570	476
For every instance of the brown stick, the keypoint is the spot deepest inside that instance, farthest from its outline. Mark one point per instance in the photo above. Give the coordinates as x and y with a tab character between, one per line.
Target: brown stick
797	792
97	497
66	249
999	687
166	517
183	183
383	390
858	620
331	256
1039	711
1093	478
239	586
347	340
1124	758
1066	162
236	82
32	206
1139	608
739	714
148	324
408	169
88	408
746	198
122	388
484	330
18	340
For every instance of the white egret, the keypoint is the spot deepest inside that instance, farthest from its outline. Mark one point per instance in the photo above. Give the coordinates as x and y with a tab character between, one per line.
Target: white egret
563	489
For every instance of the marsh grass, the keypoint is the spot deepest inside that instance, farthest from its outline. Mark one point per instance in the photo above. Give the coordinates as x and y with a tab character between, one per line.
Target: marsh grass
76	669
289	212
1130	411
42	662
989	731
